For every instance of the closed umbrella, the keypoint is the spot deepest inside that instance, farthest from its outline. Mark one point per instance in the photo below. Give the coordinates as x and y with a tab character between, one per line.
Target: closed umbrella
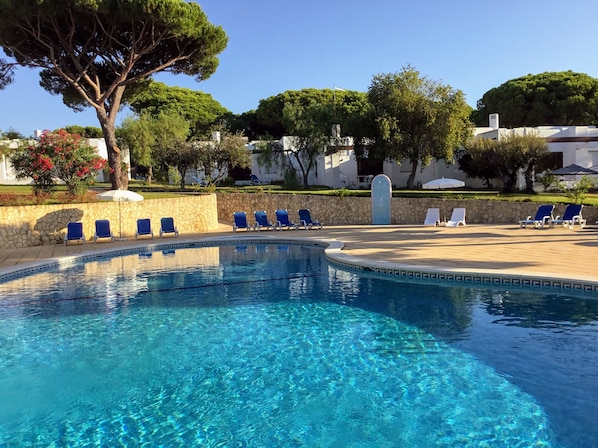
119	196
442	184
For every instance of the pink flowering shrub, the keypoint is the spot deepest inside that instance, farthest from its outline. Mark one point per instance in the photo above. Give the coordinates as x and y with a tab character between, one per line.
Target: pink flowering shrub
58	156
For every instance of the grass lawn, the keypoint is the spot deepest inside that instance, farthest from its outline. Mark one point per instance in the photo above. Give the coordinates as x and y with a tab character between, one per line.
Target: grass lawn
23	195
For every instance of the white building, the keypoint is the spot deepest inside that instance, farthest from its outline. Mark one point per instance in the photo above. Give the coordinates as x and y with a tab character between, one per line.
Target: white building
7	174
573	144
340	169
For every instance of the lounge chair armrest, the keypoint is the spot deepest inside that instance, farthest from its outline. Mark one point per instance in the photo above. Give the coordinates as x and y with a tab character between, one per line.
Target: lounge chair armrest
579	219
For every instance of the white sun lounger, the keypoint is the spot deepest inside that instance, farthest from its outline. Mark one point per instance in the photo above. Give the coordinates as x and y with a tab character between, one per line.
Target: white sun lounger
458	217
432	217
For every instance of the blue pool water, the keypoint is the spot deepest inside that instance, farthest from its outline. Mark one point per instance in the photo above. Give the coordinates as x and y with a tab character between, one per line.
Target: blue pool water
269	345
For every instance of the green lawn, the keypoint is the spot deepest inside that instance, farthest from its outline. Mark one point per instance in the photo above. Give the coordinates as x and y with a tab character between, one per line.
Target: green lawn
160	190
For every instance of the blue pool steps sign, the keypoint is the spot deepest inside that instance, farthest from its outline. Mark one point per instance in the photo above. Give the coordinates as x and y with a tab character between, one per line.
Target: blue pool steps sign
381	195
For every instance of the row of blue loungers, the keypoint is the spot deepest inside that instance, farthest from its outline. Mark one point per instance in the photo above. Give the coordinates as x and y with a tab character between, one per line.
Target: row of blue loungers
74	230
544	216
282	221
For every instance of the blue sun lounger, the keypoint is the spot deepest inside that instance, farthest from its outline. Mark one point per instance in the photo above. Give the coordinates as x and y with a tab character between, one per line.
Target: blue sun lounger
283	221
543	216
74	232
571	216
144	228
306	220
240	222
261	221
167	226
102	230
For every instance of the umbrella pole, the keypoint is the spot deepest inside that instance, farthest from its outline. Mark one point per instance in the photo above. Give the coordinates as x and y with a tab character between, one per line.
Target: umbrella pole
443	212
120	223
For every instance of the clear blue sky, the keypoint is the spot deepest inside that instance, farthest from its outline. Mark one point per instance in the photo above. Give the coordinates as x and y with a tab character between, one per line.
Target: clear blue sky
279	45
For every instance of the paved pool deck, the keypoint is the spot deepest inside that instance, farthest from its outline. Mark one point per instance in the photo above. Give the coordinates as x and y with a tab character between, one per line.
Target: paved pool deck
501	249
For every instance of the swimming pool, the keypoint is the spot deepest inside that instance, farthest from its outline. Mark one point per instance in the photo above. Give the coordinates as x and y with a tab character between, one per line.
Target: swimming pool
271	345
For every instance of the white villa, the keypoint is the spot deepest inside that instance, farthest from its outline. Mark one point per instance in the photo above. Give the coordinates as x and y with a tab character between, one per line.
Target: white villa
574	144
571	145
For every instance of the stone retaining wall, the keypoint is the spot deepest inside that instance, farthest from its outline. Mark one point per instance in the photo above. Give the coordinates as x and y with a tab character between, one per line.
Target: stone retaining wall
334	210
36	225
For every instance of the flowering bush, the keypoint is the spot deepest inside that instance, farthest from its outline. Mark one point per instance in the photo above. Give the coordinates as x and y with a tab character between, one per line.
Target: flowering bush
58	155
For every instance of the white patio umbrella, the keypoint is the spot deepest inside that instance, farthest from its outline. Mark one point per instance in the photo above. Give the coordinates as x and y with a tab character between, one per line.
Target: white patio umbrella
119	196
442	184
573	170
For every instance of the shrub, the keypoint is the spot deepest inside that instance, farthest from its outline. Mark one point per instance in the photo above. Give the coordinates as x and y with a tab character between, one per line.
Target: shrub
174	175
578	192
341	193
547	180
290	179
58	155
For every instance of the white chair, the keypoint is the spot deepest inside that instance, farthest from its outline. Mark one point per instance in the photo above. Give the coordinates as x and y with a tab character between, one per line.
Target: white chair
432	217
458	217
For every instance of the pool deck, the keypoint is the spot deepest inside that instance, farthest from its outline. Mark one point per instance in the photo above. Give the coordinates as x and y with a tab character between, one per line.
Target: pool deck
500	249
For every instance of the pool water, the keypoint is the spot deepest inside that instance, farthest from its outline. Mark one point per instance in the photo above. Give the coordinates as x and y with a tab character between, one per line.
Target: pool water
270	345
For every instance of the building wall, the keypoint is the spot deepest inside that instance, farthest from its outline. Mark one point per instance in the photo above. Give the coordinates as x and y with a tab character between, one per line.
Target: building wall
8	176
578	144
36	225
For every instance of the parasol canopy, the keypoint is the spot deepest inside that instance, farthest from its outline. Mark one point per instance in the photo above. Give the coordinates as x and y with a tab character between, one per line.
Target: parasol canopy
443	183
573	170
119	196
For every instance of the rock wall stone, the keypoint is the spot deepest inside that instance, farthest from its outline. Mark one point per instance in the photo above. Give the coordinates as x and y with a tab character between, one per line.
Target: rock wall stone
335	210
36	225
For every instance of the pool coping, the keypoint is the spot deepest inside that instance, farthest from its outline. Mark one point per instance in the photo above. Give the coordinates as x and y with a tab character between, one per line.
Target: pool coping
333	251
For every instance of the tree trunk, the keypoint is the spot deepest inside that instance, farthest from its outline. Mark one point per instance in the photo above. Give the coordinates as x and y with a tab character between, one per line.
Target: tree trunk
150	174
411	178
529	181
119	177
508	180
182	171
304	172
114	158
